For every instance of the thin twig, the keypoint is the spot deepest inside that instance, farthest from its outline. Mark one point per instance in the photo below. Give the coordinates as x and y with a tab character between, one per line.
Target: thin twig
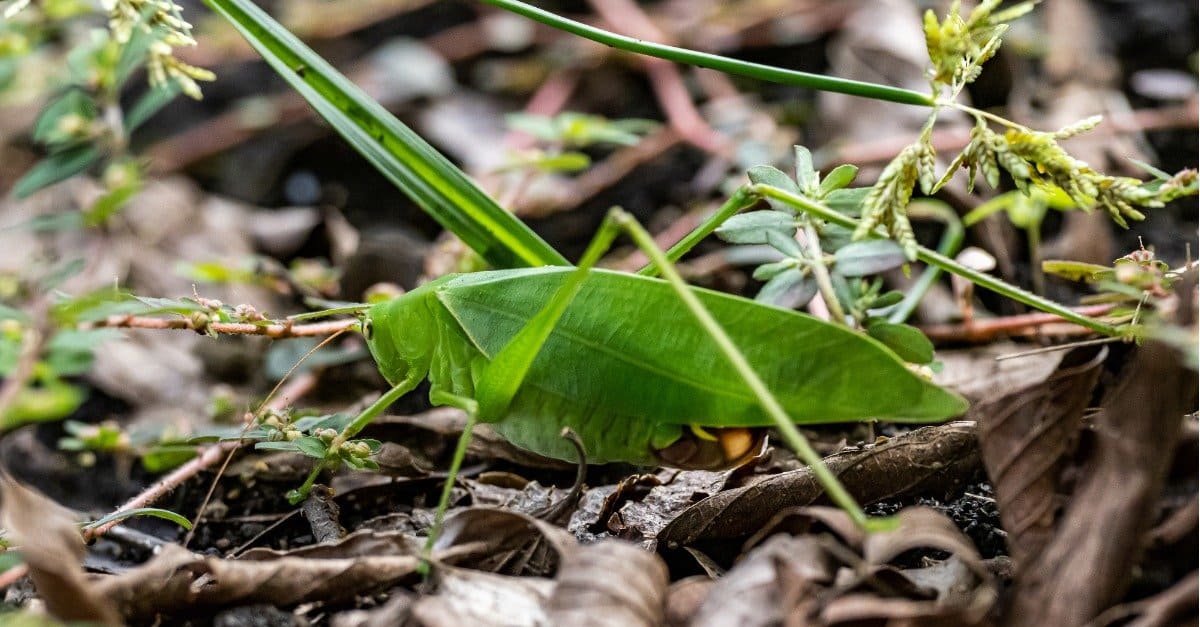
273	330
1023	324
297	388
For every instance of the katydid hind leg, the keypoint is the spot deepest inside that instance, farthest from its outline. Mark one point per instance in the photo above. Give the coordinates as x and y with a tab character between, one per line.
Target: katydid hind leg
770	405
460	452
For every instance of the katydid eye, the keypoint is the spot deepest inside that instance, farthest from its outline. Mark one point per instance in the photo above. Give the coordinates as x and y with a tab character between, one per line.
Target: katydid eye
368	329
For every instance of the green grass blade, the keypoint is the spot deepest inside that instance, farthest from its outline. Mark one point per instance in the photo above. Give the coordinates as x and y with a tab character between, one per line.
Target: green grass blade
716	62
431	180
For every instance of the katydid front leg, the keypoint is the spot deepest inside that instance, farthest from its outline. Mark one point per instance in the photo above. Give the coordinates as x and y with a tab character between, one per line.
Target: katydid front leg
503	376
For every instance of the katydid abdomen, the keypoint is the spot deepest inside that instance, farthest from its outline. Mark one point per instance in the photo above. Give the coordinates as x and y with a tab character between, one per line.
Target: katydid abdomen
628	368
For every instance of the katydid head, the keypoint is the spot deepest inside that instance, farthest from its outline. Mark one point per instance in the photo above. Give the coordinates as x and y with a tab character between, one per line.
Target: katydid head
401	336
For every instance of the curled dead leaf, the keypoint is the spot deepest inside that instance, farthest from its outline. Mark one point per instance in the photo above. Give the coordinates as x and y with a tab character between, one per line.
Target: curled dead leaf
178	582
611	583
1026	439
47	537
927	460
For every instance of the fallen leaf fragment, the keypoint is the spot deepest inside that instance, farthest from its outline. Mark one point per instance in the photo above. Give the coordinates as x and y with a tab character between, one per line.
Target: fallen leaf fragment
470	597
609	584
178	582
1026	440
927	460
48	540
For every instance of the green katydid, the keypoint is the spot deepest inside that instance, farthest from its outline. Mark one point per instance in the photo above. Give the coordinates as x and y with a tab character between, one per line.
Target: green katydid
636	371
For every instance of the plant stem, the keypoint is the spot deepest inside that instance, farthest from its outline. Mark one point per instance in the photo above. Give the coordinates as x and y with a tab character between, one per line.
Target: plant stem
716	62
951	241
741	199
980	113
821	275
934	258
837	492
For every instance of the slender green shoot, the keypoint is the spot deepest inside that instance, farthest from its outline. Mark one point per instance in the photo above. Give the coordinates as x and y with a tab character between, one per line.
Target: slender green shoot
740	200
360	422
717	62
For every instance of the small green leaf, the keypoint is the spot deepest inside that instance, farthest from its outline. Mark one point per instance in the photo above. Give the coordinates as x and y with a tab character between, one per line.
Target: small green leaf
149	104
868	257
752	227
45	403
789	289
337	422
61	273
70	351
767	175
311	446
166	457
549	162
847	201
837	178
1149	169
886	299
57	167
276	446
784	244
906	341
1076	270
768	271
49	127
142	511
52	222
807	177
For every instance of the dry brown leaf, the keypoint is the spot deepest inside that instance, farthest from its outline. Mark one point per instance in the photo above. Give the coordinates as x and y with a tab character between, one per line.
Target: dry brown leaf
1170	608
803	575
784	575
978	375
684	598
1085	567
927	460
469	597
922	528
1026	439
501	541
361	543
179	582
609	584
46	536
